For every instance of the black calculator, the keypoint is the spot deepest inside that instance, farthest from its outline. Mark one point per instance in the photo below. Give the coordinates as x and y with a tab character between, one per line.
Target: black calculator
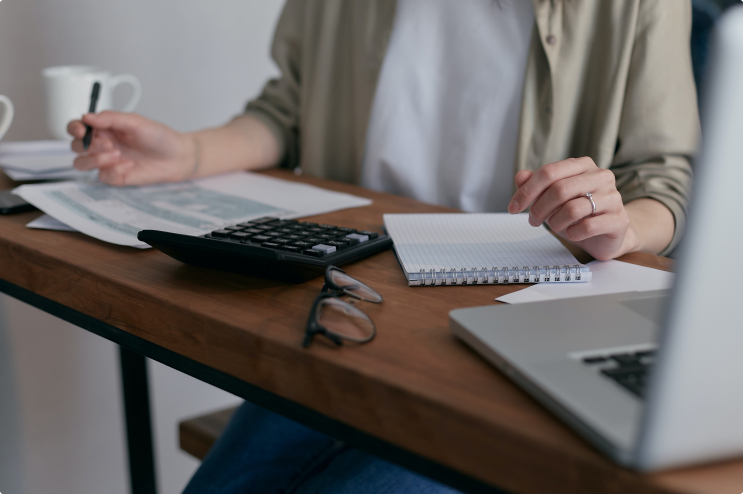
287	250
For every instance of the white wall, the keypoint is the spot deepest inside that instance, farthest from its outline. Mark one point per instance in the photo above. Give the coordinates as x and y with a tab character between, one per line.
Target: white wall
61	429
199	61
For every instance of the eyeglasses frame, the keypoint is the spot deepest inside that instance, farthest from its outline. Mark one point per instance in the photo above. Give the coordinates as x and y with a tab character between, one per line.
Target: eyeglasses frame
331	290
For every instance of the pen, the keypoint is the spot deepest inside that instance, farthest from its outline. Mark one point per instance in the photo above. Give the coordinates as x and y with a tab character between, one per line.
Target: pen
93	102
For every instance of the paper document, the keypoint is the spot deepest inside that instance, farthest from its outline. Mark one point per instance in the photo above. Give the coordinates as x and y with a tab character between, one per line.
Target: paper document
35	163
46	222
116	214
40	160
608	277
34	147
69	174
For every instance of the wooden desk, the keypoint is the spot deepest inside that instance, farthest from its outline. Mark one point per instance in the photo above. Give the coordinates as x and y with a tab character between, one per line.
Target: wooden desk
415	395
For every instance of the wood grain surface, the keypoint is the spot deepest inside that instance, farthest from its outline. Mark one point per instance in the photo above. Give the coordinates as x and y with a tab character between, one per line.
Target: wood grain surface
415	385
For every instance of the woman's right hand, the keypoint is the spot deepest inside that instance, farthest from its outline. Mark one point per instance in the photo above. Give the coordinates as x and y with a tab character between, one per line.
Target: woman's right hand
129	149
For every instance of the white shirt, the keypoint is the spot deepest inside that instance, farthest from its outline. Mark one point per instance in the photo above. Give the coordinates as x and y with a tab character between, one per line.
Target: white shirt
445	116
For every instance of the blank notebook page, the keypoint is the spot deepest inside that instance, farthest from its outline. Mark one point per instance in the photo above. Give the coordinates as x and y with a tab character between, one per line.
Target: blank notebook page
472	240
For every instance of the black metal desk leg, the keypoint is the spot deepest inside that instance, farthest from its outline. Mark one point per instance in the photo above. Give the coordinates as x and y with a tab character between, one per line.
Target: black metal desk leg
138	426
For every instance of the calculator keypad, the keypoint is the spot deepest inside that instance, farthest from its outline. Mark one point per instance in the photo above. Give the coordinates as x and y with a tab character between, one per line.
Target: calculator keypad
305	238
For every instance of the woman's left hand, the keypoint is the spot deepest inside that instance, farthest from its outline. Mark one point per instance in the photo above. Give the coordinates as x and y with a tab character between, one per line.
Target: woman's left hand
557	195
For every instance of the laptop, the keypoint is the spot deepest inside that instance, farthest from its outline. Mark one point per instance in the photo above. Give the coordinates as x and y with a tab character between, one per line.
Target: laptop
652	379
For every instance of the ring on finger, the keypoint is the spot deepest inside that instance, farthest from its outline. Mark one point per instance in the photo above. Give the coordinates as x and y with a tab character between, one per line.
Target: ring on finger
593	204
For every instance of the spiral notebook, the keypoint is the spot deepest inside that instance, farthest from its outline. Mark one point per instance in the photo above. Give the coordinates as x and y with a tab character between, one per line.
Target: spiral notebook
479	248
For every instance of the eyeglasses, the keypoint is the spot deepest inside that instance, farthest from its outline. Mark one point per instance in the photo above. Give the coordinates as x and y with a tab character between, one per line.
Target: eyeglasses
336	319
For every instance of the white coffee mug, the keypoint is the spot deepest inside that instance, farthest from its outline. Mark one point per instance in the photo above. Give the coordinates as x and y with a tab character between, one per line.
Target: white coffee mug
68	90
7	115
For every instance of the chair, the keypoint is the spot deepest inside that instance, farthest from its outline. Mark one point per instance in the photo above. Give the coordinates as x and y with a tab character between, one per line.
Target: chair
197	435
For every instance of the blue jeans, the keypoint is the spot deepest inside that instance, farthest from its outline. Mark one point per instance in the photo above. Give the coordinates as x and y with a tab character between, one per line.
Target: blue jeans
261	451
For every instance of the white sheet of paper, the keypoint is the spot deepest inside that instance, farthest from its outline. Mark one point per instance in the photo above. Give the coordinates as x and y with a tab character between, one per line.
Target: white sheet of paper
34	147
35	157
46	222
116	214
472	240
67	174
38	163
608	277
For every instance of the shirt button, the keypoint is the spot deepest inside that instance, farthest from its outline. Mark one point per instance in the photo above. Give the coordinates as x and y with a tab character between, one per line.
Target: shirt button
551	39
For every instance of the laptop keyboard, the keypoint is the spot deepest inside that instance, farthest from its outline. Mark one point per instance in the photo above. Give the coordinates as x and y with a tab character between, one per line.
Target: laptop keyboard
629	369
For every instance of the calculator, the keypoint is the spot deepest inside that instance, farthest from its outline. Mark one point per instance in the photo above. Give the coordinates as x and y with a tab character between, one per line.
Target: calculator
287	250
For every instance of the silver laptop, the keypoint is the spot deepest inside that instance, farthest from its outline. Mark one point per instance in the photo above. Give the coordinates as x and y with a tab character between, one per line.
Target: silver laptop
654	379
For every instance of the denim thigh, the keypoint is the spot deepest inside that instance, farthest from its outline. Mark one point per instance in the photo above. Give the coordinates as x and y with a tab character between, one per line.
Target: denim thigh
260	451
263	452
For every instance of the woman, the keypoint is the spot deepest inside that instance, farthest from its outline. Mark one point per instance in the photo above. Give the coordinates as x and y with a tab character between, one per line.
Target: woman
452	103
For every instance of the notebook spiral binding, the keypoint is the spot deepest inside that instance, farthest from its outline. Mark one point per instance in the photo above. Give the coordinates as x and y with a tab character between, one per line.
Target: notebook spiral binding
494	276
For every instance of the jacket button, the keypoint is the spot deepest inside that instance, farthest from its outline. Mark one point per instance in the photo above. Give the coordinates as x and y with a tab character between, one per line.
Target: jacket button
551	39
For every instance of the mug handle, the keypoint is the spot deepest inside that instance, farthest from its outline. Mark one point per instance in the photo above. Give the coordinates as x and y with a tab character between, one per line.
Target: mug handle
8	117
136	89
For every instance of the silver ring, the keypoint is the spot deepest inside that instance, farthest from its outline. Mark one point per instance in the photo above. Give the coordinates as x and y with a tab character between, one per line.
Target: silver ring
593	204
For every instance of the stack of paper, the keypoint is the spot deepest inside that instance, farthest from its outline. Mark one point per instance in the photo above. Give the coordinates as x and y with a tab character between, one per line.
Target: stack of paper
39	160
117	214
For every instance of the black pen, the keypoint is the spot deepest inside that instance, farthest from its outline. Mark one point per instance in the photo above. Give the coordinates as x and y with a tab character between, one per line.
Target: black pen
93	103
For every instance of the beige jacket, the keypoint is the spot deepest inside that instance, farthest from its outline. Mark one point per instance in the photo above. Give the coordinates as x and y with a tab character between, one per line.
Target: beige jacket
609	79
